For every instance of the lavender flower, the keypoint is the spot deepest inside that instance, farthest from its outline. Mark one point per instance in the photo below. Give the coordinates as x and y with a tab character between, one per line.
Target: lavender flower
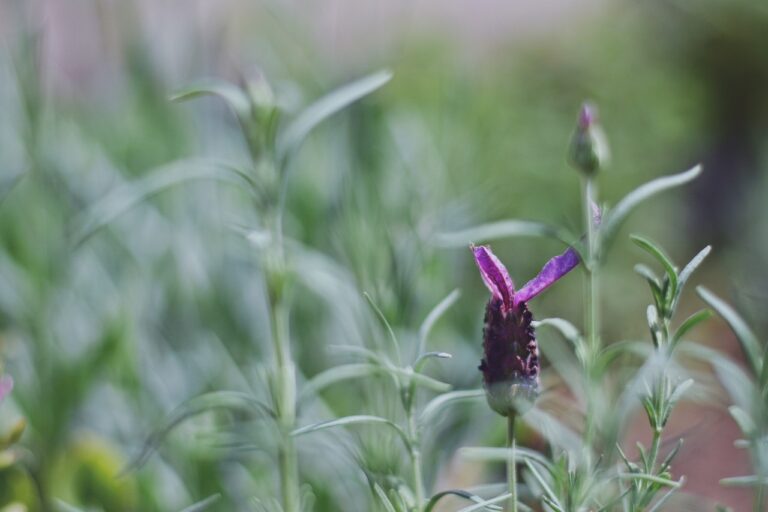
589	146
511	363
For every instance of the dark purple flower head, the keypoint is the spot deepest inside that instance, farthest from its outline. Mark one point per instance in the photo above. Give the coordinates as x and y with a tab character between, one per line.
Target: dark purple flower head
510	365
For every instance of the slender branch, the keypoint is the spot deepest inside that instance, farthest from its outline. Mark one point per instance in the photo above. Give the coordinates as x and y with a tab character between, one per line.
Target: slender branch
511	462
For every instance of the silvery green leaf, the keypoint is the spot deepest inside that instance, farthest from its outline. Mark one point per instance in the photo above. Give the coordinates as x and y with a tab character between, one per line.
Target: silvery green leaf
387	326
545	487
652	280
744	481
461	494
193	407
689	323
679	391
749	342
503	454
569	331
662	258
235	97
613	219
503	229
433	316
351	420
423	358
126	196
337	374
661	501
484	504
435	405
651	478
294	134
733	378
743	419
688	270
203	504
385	501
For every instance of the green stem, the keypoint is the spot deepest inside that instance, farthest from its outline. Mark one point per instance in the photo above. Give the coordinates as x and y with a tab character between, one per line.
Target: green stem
415	453
592	303
592	266
285	402
512	462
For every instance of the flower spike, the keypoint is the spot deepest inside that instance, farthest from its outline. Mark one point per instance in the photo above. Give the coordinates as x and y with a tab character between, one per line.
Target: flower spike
495	275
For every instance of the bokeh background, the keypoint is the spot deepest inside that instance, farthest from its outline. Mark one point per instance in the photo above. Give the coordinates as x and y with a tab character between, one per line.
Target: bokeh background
106	337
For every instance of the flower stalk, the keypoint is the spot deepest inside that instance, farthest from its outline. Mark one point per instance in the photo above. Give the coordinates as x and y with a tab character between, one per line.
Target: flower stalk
512	462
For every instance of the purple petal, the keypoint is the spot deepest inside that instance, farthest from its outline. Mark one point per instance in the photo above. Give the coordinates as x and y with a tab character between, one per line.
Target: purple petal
6	385
555	268
494	275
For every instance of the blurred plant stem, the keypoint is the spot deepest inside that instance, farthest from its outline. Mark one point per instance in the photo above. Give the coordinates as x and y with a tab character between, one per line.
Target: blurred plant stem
512	462
285	402
415	453
592	297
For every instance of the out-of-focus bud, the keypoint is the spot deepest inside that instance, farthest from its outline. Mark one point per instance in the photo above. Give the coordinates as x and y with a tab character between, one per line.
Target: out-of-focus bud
260	93
589	146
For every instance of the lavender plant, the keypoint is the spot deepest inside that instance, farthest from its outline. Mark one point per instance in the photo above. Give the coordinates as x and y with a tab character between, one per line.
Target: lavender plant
272	144
582	473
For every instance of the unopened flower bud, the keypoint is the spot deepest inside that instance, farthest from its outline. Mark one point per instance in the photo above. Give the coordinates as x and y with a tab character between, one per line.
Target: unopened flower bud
589	146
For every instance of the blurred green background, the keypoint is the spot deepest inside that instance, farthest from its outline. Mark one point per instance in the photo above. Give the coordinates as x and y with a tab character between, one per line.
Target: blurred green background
106	337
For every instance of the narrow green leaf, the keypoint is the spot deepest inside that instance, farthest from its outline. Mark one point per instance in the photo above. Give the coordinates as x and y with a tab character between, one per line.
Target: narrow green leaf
484	504
661	257
652	280
193	407
352	420
615	217
544	485
367	353
668	459
689	323
569	331
749	342
433	316
657	506
688	270
461	494
679	391
435	405
423	358
235	97
203	504
295	133
387	326
743	419
125	197
337	374
744	481
651	478
388	506
490	454
503	229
